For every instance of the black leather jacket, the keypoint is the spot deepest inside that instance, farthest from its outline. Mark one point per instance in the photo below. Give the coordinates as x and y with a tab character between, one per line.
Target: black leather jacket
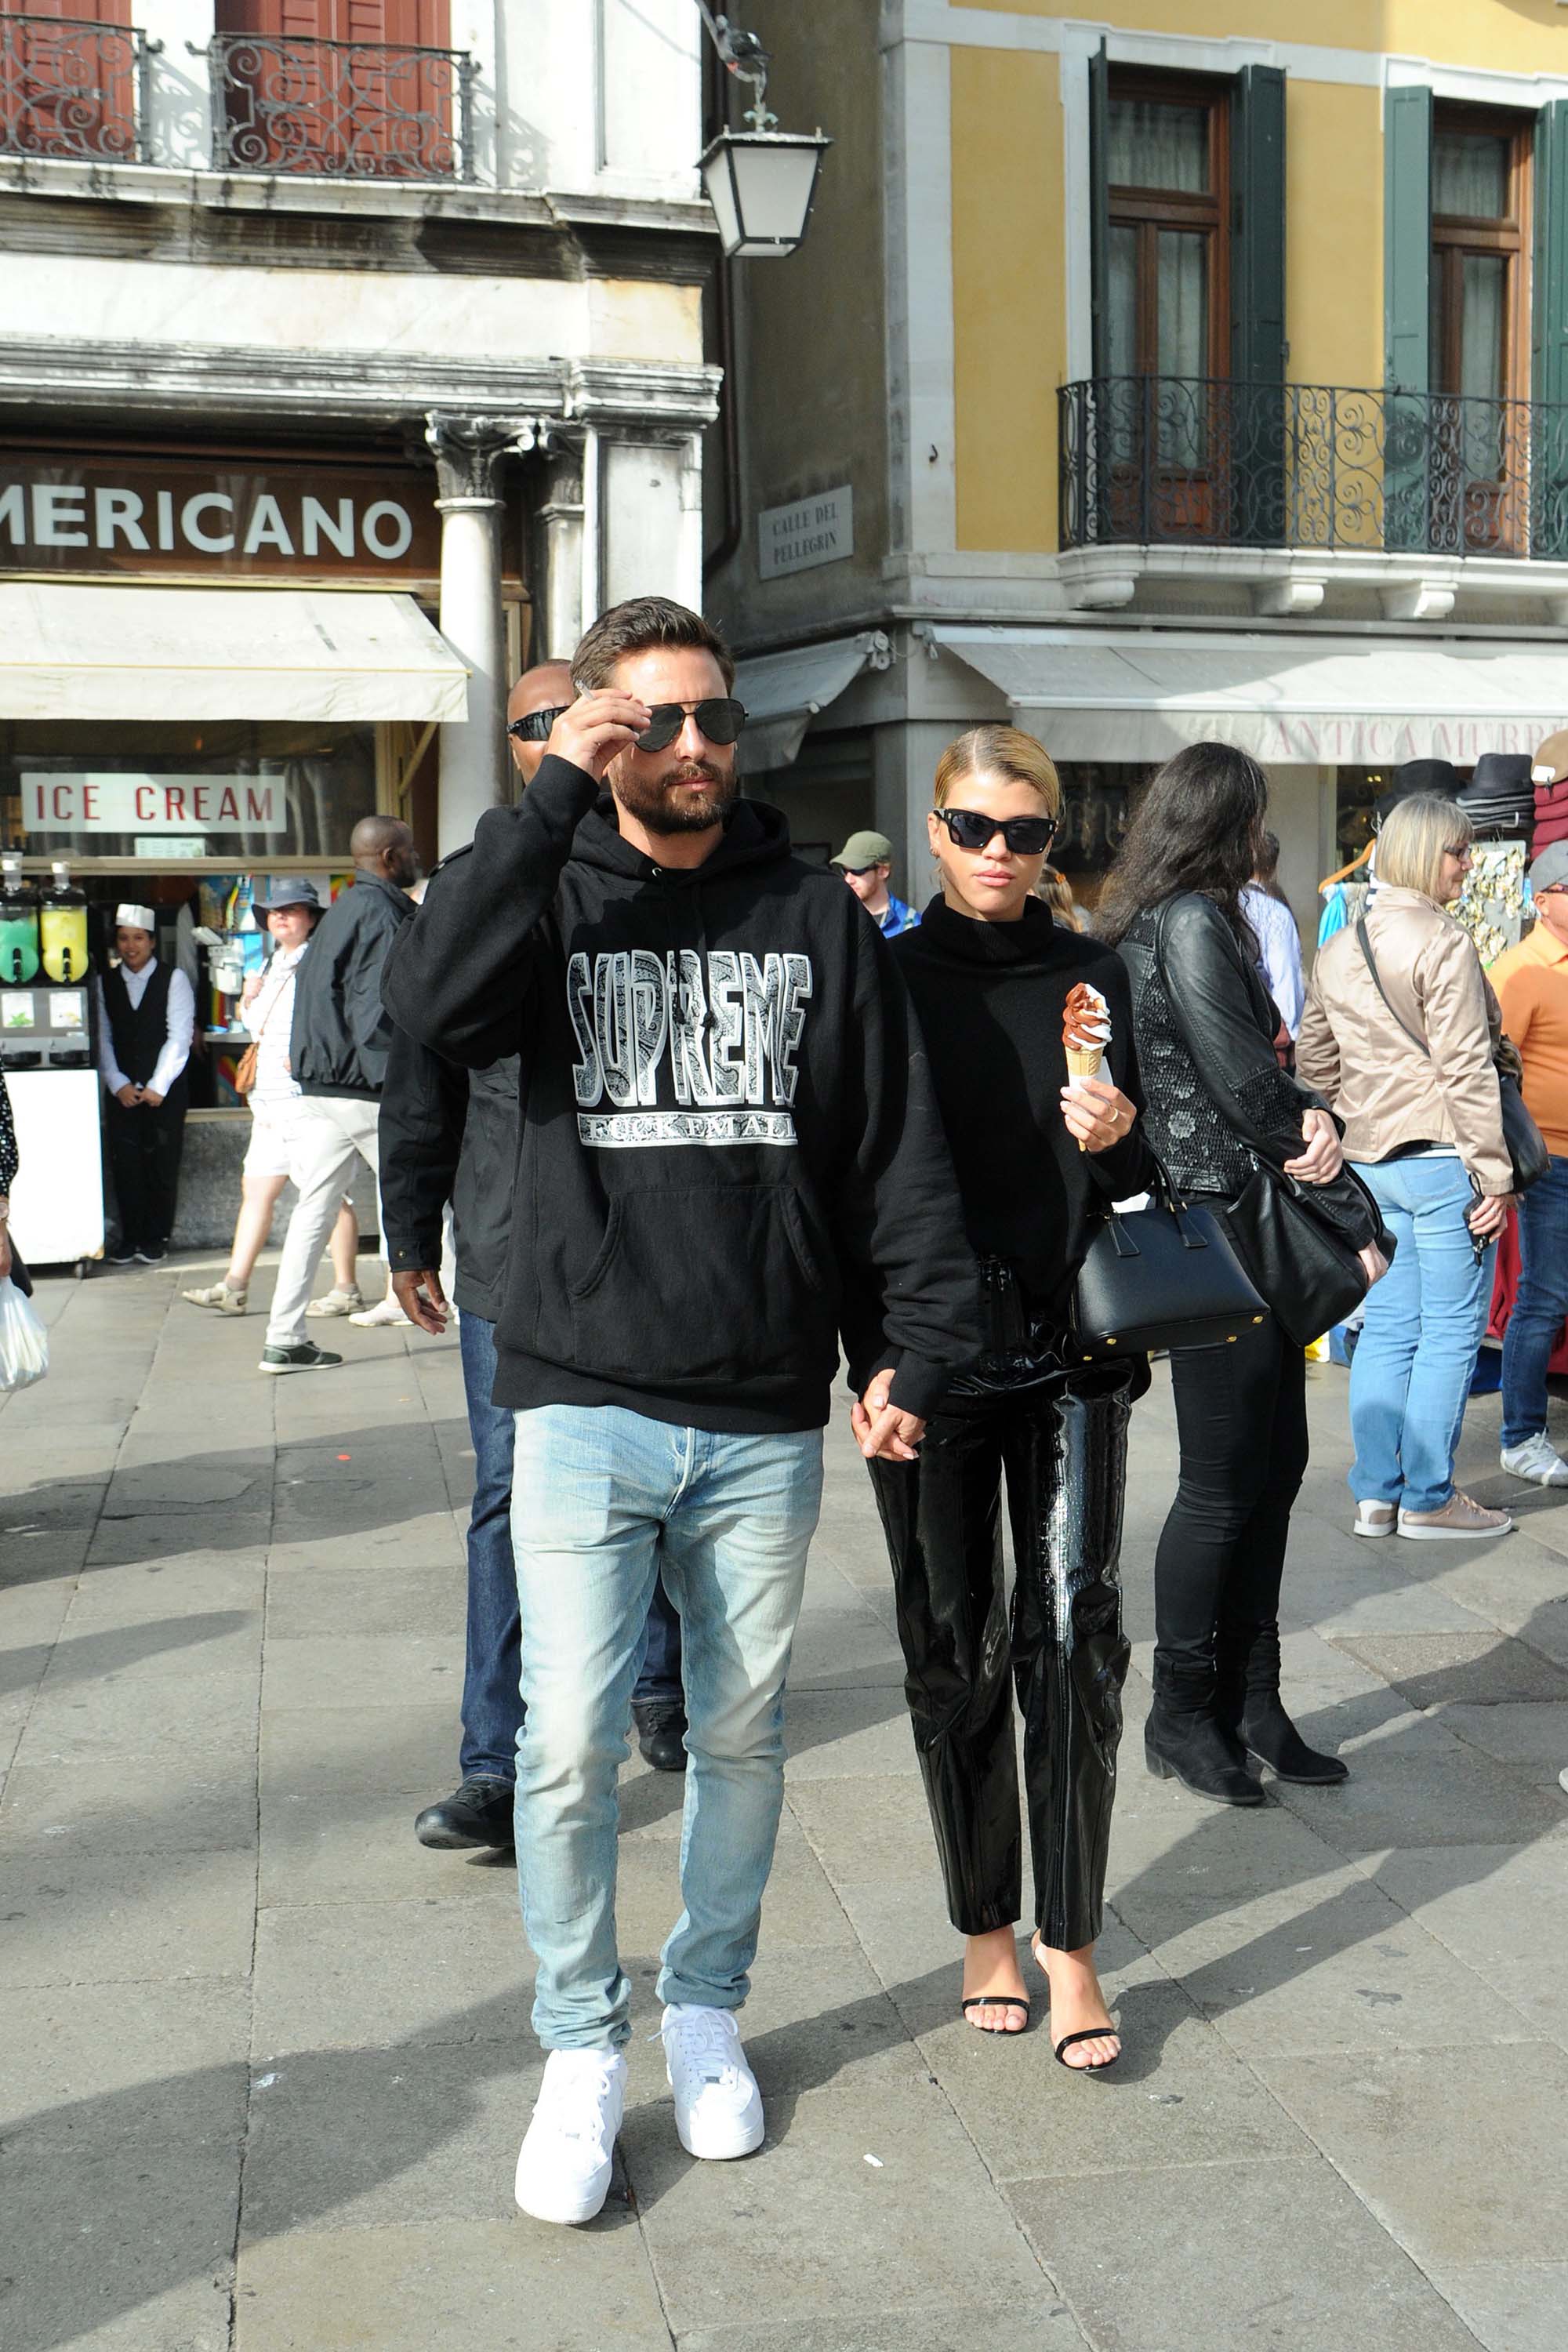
1204	1028
450	1134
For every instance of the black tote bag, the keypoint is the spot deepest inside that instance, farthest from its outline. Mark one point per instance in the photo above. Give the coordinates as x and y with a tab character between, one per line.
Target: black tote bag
1309	1273
1161	1276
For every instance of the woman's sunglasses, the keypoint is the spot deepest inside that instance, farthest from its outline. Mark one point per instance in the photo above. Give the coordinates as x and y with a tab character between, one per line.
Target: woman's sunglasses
1025	836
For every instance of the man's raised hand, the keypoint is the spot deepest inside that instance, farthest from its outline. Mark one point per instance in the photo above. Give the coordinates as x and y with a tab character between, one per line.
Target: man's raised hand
596	728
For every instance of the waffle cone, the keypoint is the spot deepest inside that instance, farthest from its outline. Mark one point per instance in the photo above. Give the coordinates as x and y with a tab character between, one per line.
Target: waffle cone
1085	1061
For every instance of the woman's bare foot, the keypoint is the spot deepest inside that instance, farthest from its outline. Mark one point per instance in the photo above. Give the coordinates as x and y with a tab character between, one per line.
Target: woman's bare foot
991	1967
1078	2006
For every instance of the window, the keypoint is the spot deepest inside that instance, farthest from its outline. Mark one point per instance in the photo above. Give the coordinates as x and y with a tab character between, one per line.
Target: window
1167	165
338	86
1479	317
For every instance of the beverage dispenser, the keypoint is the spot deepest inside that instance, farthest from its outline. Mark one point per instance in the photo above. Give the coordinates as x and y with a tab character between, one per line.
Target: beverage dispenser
62	926
18	926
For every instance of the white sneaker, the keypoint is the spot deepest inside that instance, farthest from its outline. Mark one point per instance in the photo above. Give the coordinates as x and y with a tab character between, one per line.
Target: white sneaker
1375	1520
564	2164
386	1310
717	2106
1537	1459
337	1301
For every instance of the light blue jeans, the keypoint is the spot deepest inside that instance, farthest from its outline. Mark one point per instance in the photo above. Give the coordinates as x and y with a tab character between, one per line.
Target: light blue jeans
603	1500
1410	1376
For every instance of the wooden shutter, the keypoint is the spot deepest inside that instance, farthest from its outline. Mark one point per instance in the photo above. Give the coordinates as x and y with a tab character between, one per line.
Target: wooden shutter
1406	308
1549	337
1099	209
1257	241
44	76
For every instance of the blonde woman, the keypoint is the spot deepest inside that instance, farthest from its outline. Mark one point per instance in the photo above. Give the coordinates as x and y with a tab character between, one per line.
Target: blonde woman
991	973
1400	1035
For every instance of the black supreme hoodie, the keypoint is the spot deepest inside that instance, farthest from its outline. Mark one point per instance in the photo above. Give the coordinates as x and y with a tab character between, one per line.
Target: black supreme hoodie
729	1152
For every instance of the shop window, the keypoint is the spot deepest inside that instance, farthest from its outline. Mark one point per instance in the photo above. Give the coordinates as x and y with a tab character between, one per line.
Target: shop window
237	793
1098	797
1167	169
342	87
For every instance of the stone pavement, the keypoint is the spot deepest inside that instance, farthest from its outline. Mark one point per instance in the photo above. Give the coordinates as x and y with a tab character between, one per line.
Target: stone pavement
267	2062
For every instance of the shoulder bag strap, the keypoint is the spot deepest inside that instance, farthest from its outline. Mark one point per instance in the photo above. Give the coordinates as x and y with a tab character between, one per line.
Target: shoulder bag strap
1365	945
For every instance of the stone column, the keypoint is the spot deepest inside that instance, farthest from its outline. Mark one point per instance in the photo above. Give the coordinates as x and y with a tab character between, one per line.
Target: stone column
468	451
560	618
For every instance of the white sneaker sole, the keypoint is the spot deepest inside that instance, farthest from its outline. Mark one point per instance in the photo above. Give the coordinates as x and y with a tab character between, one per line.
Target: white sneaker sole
1455	1535
559	2201
1535	1478
1373	1531
277	1371
718	2140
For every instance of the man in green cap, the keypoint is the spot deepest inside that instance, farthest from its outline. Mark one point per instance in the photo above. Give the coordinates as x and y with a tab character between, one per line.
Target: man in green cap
866	861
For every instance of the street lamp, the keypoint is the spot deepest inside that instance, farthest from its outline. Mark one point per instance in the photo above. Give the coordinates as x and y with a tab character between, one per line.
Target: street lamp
760	182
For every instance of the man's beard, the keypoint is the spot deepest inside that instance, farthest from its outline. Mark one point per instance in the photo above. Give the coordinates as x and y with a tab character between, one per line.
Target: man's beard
660	809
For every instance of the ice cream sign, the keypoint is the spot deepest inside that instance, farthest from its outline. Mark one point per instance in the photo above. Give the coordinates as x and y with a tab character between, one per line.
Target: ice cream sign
153	805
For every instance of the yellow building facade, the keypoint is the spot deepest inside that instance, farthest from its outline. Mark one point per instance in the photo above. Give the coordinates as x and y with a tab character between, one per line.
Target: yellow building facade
1198	370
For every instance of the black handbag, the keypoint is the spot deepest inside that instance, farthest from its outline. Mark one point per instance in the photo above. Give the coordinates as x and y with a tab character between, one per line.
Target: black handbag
1528	1154
1308	1274
1161	1276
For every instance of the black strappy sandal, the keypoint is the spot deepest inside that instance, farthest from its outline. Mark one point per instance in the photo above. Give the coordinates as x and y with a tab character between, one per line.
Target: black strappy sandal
1088	2033
998	2000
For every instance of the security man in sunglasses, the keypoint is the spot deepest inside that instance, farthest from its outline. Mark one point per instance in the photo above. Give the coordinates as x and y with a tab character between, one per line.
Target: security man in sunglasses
865	862
729	1161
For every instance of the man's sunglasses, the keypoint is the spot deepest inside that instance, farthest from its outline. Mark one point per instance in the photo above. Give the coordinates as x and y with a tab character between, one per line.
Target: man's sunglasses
1025	836
720	719
534	726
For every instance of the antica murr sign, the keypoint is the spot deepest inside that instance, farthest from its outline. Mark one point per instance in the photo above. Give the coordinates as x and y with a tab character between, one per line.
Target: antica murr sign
818	530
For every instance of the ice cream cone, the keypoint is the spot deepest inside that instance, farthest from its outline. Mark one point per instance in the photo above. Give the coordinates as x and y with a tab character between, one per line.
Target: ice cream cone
1085	1062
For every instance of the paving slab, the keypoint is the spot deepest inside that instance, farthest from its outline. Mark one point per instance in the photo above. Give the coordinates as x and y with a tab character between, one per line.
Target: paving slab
145	1714
1436	2143
358	1974
1482	1668
806	2227
1509	2307
1232	2258
137	1806
1042	2324
493	2283
359	1847
303	1602
327	1753
1502	1911
398	1669
97	1918
67	2045
1425	1797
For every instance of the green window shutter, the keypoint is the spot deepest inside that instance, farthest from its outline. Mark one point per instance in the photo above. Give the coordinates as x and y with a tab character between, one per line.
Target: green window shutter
1549	312
1258	240
1100	208
1407	239
1549	337
1406	312
1254	403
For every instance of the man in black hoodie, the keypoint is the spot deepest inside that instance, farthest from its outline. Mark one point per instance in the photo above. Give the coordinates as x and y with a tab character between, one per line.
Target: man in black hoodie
337	1053
728	1154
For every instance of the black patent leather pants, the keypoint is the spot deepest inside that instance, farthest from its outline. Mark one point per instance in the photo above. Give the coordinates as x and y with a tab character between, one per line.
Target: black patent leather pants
1063	1449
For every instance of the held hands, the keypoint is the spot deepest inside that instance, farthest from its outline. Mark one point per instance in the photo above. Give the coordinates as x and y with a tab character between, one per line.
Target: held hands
880	1428
1324	1157
128	1095
1098	1114
1489	1216
596	728
422	1299
150	1099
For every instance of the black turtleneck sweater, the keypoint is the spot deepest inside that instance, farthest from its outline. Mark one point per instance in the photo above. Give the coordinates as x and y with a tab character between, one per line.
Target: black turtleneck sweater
990	998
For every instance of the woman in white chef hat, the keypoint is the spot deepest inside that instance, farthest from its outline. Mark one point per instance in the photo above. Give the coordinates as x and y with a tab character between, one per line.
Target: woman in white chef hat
147	1013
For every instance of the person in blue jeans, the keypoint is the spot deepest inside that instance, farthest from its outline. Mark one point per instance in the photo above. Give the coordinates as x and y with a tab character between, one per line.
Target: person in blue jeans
730	1159
1401	1036
1531	984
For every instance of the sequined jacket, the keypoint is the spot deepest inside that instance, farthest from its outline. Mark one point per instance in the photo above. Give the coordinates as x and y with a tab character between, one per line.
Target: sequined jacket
1204	1028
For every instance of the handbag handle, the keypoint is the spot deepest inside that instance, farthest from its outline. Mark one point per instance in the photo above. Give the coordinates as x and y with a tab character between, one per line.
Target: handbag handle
1164	1190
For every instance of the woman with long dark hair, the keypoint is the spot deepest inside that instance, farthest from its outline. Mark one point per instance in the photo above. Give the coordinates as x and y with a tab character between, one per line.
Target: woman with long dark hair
999	986
1218	1103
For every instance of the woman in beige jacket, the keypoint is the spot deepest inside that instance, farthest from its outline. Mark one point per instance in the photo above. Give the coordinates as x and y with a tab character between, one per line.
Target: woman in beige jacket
1403	1042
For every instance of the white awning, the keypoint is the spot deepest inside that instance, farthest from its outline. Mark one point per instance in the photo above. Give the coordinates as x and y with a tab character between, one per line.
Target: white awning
69	650
1140	695
784	692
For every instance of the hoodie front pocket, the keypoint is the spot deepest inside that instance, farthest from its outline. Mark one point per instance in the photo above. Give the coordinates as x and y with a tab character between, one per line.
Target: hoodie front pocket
704	1286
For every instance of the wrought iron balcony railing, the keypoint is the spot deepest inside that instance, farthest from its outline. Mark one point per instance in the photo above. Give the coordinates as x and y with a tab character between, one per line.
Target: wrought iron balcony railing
350	109
1161	460
73	89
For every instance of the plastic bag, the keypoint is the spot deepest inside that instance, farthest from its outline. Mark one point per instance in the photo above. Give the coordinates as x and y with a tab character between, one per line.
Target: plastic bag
24	1342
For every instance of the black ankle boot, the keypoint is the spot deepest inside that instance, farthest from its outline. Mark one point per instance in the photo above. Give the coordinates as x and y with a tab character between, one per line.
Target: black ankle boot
1185	1740
1250	1705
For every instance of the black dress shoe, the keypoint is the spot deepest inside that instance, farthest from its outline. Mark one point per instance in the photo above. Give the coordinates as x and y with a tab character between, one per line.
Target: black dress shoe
661	1733
480	1814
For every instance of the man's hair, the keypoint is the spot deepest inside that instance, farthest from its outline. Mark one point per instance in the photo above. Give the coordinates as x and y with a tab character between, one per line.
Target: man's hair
371	834
636	626
1267	855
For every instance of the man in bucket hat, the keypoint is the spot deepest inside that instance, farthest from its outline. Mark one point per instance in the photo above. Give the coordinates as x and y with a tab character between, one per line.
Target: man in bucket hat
146	1018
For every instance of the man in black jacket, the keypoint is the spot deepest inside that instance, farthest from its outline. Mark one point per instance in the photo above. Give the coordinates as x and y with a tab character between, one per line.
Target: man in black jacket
728	1152
337	1052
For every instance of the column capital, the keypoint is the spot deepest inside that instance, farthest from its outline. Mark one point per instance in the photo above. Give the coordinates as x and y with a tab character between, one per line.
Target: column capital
467	450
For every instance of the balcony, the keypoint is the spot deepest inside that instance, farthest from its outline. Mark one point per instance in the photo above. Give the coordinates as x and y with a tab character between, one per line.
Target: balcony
1168	462
341	109
74	89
